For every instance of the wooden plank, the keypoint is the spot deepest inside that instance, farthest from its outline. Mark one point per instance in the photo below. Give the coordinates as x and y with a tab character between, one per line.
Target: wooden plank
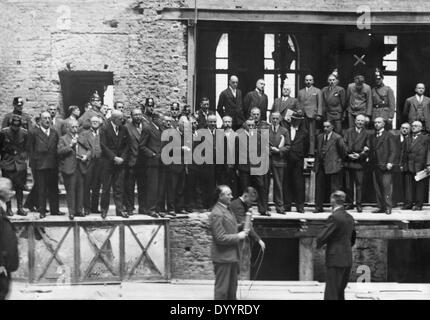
306	259
121	252
76	252
31	253
167	250
191	72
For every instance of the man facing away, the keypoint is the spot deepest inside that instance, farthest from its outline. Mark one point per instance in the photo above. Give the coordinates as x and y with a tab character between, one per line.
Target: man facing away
339	236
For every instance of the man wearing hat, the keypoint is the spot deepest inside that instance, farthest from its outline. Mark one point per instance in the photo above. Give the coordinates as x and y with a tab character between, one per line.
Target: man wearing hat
384	104
96	103
13	143
74	113
358	100
294	181
334	102
18	103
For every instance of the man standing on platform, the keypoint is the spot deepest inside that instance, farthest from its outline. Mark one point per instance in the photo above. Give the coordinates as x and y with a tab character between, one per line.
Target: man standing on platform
358	100
334	102
400	169
417	108
85	119
357	146
417	147
256	99
225	249
384	104
311	102
230	103
382	157
203	113
285	103
339	235
328	164
13	151
18	103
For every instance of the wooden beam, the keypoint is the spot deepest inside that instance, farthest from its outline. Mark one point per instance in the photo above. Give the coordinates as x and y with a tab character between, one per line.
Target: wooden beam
191	63
306	259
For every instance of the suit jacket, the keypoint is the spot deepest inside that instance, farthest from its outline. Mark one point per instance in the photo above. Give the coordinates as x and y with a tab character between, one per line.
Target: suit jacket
13	149
382	150
229	105
112	145
9	257
359	102
254	99
133	137
355	143
333	102
416	153
177	149
202	118
401	159
25	118
299	146
331	160
150	144
69	162
58	124
339	235
311	102
384	103
410	110
239	209
282	107
93	141
225	243
278	159
43	149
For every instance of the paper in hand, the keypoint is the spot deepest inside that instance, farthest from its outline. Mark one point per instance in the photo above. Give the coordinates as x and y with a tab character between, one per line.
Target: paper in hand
421	175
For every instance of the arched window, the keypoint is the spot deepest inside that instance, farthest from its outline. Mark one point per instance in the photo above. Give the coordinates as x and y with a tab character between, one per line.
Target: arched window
221	65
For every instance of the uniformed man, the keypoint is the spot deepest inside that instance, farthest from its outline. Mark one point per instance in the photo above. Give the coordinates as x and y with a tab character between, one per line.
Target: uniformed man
384	104
18	103
358	100
13	142
334	102
85	119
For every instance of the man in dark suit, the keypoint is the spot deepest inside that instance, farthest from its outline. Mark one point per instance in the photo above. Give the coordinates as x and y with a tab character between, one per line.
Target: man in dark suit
74	152
225	251
279	144
400	166
339	235
18	103
9	256
358	100
357	146
382	157
13	152
113	142
417	107
311	102
294	181
230	103
333	102
43	152
203	113
328	163
32	202
256	99
283	104
93	178
417	147
150	146
57	119
175	113
134	172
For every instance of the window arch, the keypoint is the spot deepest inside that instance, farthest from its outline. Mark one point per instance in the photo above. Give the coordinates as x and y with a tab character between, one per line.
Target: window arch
221	65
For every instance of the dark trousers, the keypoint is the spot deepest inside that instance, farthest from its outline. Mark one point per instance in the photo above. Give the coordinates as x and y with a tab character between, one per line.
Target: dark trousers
226	279
47	181
4	285
207	183
278	194
154	176
113	178
132	176
92	185
335	181
74	184
175	190
354	177
18	179
294	184
414	190
383	188
336	280
193	193
227	176
311	125
260	184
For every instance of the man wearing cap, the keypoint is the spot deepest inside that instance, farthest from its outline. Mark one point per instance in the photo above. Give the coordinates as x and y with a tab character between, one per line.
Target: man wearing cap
175	113
256	99
74	113
384	104
294	181
85	119
417	107
358	100
285	103
334	102
56	119
13	151
230	103
26	122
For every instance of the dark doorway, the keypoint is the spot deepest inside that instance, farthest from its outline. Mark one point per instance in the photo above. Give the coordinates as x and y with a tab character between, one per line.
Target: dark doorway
77	86
409	261
280	261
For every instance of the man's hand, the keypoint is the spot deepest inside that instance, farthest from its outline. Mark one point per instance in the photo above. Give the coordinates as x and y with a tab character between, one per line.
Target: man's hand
118	160
3	271
366	148
73	142
242	235
389	166
262	245
274	149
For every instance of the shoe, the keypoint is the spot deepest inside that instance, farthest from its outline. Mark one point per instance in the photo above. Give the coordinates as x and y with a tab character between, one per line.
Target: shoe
388	211
172	213
130	213
417	208
301	210
79	214
21	212
71	216
42	215
407	207
379	210
59	213
318	210
31	209
161	214
188	211
95	211
9	212
123	214
104	214
153	214
266	214
359	208
280	211
87	212
287	209
201	210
